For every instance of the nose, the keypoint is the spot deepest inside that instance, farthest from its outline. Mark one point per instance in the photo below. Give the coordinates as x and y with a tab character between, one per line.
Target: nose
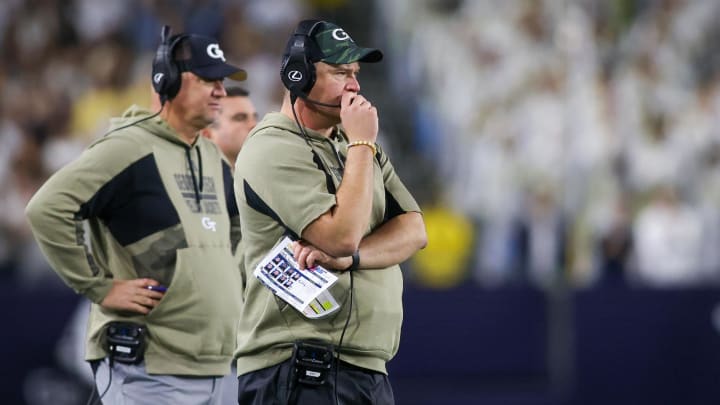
219	89
353	85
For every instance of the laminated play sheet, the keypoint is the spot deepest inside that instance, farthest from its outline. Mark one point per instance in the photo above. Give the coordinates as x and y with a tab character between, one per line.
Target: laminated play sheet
305	290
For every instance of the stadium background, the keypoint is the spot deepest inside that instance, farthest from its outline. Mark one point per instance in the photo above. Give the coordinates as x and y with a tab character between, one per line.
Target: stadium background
565	153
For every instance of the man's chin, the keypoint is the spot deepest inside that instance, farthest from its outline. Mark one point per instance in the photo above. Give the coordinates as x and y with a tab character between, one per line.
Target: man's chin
202	122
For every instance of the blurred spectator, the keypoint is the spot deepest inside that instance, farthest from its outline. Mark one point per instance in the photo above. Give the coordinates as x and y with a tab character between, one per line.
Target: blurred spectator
616	246
491	198
110	90
444	262
708	202
18	252
668	236
539	239
96	19
237	118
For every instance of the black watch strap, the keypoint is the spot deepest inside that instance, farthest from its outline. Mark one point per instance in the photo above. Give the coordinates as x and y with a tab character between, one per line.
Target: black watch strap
355	261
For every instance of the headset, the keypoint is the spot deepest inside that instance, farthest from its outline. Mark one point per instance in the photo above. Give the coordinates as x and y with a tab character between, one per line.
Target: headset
298	71
166	77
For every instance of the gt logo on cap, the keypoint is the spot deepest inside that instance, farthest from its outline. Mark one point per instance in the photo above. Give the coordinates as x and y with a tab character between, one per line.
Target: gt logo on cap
294	75
158	77
214	51
340	34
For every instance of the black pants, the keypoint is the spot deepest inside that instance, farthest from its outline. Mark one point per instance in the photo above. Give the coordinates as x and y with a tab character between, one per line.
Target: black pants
356	386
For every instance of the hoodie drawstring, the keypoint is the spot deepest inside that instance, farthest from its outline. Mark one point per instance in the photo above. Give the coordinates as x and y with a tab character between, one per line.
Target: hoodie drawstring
198	191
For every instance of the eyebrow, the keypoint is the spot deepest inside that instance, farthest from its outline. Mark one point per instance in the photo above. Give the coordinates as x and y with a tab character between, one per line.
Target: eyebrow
346	70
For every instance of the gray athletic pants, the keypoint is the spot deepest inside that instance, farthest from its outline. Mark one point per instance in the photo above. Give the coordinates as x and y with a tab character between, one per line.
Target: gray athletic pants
132	385
356	386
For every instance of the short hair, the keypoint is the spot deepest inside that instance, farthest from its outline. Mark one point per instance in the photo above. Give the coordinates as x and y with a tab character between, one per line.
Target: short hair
236	91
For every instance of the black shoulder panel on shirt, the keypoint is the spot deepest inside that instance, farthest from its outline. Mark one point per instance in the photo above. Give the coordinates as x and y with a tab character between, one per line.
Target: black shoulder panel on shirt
392	208
328	178
133	204
229	191
255	202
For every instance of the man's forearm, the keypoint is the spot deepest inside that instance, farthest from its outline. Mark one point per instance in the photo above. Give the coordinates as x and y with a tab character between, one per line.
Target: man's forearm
394	242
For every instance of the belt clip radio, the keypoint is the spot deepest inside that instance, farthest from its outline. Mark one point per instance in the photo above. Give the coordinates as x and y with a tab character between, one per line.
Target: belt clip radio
312	361
125	342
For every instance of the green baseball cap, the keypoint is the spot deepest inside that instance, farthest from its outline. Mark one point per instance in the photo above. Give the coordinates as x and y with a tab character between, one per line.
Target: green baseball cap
336	46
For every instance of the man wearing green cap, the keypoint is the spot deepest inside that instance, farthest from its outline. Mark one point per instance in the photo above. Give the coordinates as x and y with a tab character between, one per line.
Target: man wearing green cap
314	172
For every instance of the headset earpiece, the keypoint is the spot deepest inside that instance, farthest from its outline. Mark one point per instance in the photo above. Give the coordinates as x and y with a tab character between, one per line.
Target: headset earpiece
166	78
298	71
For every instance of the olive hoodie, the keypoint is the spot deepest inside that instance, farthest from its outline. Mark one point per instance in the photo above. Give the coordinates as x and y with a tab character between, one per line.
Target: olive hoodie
282	184
155	207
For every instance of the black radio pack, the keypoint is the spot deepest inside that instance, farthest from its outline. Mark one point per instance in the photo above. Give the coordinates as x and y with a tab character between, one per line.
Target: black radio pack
125	342
312	361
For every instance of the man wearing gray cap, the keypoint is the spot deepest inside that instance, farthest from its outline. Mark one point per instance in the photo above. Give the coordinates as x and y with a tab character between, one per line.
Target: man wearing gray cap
313	172
163	225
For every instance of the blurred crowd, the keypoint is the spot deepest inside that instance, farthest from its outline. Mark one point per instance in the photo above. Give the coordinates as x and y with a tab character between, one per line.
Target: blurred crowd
549	141
580	139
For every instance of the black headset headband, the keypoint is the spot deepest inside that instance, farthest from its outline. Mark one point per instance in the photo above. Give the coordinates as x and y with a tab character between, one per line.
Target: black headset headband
298	71
166	77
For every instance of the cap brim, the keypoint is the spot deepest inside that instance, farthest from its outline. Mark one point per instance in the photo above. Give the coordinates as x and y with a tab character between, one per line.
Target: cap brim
220	71
369	55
